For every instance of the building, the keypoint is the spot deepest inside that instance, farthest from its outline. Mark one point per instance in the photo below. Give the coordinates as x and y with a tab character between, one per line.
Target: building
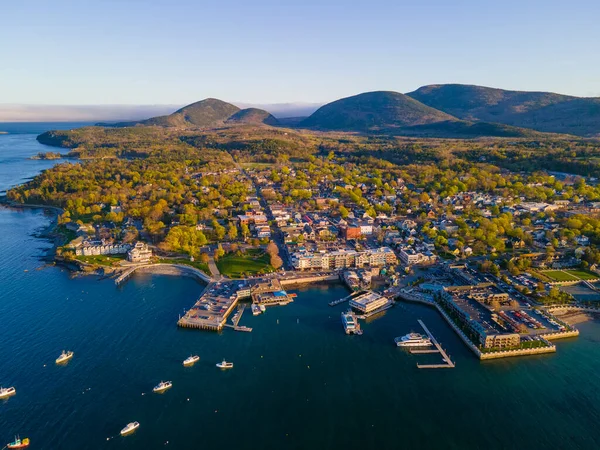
140	253
341	259
409	257
95	248
368	302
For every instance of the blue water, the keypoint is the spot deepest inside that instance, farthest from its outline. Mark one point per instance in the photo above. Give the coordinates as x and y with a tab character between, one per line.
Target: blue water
298	381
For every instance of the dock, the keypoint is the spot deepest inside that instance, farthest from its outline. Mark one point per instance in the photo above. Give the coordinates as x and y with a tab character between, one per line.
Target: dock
339	301
415	351
448	364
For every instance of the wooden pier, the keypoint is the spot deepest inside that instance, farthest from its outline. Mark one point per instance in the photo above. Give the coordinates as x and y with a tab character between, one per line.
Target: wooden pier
448	362
415	351
345	299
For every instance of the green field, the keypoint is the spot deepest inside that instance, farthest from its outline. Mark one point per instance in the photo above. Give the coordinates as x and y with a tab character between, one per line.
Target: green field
251	263
583	274
101	260
186	262
558	275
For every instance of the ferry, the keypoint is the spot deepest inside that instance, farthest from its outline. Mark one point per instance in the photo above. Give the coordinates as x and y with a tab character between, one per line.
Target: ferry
163	386
190	361
225	365
64	357
350	323
255	309
413	340
130	428
7	392
19	443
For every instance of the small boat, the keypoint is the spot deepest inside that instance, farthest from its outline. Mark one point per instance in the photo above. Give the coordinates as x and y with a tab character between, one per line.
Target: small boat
190	361
19	443
263	308
255	309
225	365
163	386
7	392
64	357
130	428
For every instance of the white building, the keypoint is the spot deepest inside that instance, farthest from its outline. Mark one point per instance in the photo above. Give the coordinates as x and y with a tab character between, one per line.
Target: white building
368	302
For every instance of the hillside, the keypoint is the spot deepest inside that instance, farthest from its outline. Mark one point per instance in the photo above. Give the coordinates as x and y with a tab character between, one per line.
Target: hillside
204	113
374	111
253	116
542	111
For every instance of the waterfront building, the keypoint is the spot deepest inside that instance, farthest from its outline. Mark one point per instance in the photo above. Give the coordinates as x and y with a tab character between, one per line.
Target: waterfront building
95	248
341	259
368	302
140	253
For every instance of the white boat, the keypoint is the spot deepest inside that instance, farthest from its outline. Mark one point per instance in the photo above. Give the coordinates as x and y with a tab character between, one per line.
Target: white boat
191	360
7	392
130	428
263	308
413	340
225	365
64	357
350	323
255	309
163	386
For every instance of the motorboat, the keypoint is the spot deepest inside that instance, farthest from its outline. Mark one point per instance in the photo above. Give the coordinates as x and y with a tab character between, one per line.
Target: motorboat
162	386
130	428
191	360
225	365
7	392
64	357
413	340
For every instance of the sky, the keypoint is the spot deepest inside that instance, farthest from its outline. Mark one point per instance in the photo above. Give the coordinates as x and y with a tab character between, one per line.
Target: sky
152	52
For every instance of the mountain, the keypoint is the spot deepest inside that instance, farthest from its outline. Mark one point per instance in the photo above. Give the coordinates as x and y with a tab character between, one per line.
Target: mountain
379	110
542	111
253	116
204	113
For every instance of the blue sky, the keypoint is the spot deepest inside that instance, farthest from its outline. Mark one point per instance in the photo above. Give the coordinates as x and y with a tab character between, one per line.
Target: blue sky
266	51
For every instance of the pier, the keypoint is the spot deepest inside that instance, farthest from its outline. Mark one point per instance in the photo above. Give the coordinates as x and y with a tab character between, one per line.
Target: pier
448	364
344	299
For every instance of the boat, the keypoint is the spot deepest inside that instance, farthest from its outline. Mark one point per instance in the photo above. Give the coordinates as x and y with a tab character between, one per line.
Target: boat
64	357
7	392
413	340
130	428
350	323
225	365
263	308
191	360
163	386
255	309
19	443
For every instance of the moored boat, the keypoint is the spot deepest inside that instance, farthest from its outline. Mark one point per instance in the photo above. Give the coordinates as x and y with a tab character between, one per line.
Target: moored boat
255	309
19	443
225	365
130	428
191	360
7	392
413	340
350	323
64	357
163	386
263	308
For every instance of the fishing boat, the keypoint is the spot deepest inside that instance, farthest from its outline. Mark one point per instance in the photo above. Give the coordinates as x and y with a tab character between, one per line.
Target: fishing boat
191	360
130	428
163	386
19	443
225	365
64	357
7	392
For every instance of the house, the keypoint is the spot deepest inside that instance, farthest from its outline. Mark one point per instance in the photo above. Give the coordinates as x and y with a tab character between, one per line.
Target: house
140	253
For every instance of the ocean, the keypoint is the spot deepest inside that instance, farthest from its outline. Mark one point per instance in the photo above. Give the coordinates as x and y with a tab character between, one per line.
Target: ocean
298	382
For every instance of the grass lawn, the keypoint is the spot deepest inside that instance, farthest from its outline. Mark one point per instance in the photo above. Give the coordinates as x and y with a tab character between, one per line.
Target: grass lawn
583	274
101	260
185	261
557	275
251	263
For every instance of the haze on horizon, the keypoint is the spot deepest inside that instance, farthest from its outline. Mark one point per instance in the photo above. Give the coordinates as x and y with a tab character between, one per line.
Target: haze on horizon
173	53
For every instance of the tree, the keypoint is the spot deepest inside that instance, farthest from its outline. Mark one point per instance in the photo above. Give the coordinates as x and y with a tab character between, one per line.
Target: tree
232	232
204	258
272	249
276	261
245	231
